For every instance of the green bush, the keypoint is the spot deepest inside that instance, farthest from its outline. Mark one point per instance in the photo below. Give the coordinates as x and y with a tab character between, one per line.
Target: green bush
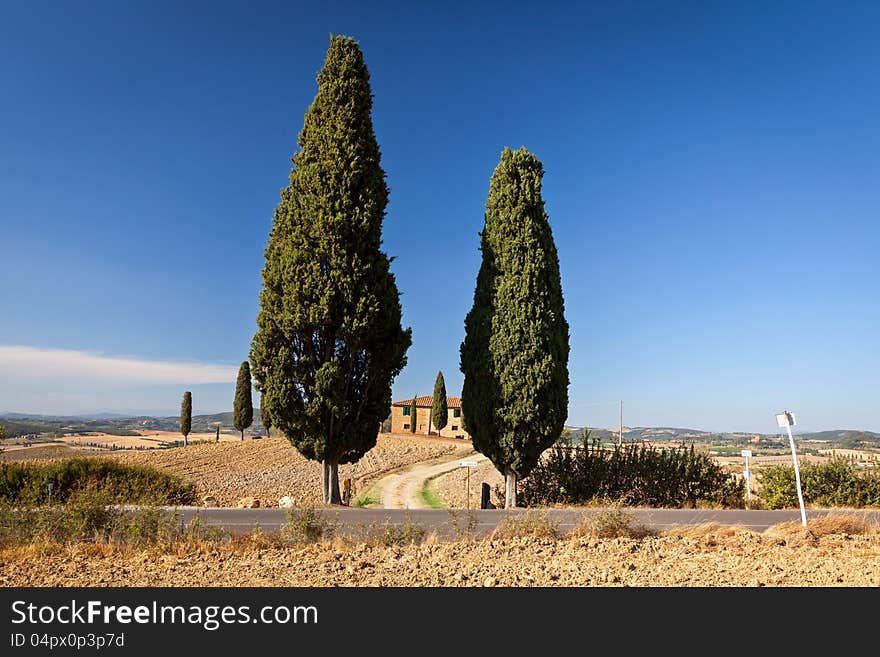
631	474
831	484
117	483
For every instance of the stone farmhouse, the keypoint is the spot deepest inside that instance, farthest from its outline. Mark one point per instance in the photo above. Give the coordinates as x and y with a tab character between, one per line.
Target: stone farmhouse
402	421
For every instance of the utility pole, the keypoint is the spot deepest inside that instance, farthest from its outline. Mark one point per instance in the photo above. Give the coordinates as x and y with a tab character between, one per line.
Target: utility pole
620	434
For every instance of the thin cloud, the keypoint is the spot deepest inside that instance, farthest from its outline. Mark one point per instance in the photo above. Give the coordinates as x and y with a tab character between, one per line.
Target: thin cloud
57	365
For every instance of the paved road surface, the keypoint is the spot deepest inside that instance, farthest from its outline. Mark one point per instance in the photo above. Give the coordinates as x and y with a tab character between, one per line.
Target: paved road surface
352	520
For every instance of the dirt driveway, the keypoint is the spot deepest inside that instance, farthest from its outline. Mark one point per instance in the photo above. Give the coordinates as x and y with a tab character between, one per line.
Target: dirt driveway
402	489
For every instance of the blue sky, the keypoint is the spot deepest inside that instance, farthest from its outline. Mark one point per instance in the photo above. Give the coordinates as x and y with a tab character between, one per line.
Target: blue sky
711	180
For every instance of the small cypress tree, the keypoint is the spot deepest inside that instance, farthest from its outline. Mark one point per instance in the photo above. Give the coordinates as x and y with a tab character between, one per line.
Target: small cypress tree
413	409
186	416
515	352
439	409
243	406
266	420
217	437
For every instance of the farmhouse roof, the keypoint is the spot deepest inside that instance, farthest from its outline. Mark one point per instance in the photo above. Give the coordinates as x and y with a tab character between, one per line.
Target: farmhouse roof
428	402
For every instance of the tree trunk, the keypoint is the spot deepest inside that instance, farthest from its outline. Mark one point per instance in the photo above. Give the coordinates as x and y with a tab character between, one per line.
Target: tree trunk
509	489
325	482
242	435
185	443
334	496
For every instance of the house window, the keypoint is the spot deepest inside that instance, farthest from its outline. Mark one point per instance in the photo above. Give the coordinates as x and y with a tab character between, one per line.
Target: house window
456	412
406	410
406	426
454	428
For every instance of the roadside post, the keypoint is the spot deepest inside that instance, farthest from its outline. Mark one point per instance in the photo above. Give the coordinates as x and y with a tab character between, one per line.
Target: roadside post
786	419
484	496
747	474
468	465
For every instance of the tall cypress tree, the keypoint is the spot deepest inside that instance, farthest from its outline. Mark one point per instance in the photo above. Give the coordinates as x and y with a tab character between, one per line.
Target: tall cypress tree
515	353
413	414
243	406
439	409
186	416
329	341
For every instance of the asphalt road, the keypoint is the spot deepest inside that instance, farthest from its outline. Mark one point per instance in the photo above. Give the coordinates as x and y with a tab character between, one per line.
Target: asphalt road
447	523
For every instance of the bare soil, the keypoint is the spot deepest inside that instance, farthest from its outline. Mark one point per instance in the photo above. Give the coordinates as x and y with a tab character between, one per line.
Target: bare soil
709	556
271	468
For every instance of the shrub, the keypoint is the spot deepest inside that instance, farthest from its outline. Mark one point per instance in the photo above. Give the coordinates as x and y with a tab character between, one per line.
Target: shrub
463	530
308	526
117	483
405	534
637	475
832	484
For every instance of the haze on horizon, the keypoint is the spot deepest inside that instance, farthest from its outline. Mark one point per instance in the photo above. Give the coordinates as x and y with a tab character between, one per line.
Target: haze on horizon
710	181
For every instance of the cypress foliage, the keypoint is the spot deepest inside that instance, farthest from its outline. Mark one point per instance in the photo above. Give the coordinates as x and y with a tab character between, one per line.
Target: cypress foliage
413	411
439	409
329	341
186	416
515	353
217	437
243	406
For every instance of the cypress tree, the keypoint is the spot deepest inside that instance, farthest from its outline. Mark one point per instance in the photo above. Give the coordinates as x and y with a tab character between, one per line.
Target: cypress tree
439	409
329	341
413	411
243	406
515	353
265	419
186	416
217	437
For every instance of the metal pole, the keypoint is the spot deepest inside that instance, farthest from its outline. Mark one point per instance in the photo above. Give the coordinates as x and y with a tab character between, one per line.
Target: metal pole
797	476
620	435
749	473
467	504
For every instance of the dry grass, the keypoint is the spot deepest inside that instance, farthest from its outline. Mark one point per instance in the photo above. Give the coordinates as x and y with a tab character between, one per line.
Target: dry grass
612	523
708	529
838	523
794	534
531	523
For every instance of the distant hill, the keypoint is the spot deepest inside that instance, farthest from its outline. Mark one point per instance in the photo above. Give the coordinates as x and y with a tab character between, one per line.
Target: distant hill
20	424
846	438
842	438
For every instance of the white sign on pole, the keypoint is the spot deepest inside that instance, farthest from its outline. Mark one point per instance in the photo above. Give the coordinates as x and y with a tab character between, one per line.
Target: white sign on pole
785	419
746	453
468	464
